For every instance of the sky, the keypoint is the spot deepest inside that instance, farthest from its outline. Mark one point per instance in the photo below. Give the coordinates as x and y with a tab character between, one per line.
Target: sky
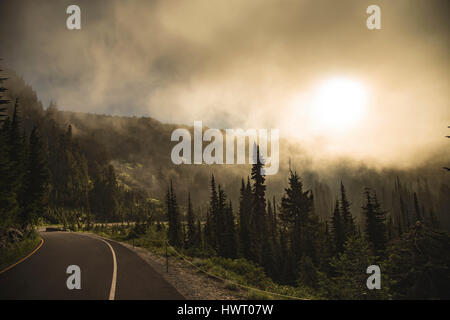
294	65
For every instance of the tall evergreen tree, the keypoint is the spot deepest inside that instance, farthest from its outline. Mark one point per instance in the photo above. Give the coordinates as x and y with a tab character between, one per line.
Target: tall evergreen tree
349	280
328	250
286	264
258	221
275	242
191	231
271	221
9	206
16	147
375	223
268	253
245	214
274	228
36	181
198	241
404	214
338	229
214	216
348	222
175	232
302	225
208	231
3	101
230	244
220	224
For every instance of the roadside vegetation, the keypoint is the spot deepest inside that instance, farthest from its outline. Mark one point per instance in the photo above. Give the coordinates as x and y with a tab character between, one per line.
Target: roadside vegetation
236	273
17	250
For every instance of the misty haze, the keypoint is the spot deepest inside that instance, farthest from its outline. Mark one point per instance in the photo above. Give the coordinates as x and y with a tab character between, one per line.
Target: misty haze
87	121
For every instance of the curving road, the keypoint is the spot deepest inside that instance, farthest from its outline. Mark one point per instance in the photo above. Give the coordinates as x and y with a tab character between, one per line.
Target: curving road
43	275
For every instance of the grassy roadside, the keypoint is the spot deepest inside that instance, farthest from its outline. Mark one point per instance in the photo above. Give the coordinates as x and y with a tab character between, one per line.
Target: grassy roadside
16	251
235	272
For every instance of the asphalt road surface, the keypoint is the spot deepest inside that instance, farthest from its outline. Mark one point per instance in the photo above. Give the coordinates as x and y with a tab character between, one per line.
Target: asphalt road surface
108	271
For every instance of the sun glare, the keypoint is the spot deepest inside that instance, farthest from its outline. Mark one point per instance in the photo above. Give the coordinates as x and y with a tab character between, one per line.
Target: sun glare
339	104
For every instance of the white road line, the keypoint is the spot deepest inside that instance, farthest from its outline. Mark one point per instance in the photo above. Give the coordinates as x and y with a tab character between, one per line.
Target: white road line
112	292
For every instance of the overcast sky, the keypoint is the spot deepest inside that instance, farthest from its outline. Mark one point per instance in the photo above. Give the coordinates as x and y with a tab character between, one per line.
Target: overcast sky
242	63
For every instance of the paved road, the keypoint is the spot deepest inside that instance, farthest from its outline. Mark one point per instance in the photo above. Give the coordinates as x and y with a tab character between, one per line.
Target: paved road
43	275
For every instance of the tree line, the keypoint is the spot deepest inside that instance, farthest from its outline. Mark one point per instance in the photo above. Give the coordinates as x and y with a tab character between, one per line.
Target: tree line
295	247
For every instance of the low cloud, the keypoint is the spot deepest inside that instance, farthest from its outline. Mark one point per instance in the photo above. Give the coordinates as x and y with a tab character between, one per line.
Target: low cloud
242	64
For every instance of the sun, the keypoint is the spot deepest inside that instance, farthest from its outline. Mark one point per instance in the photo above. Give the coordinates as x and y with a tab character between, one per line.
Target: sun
338	104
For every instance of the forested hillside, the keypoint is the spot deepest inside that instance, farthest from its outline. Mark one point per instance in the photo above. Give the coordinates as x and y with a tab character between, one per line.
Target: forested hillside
55	175
141	147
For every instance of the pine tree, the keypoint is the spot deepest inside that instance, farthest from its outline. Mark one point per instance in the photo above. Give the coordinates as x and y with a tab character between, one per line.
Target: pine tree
375	223
308	272
230	236
220	223
36	181
258	222
9	206
191	232
419	264
271	221
112	193
349	280
328	250
175	232
338	229
404	213
71	183
286	263
18	160
207	231
270	245
301	224
184	235
274	222
198	239
245	211
3	101
214	216
390	228
347	218
16	147
295	207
